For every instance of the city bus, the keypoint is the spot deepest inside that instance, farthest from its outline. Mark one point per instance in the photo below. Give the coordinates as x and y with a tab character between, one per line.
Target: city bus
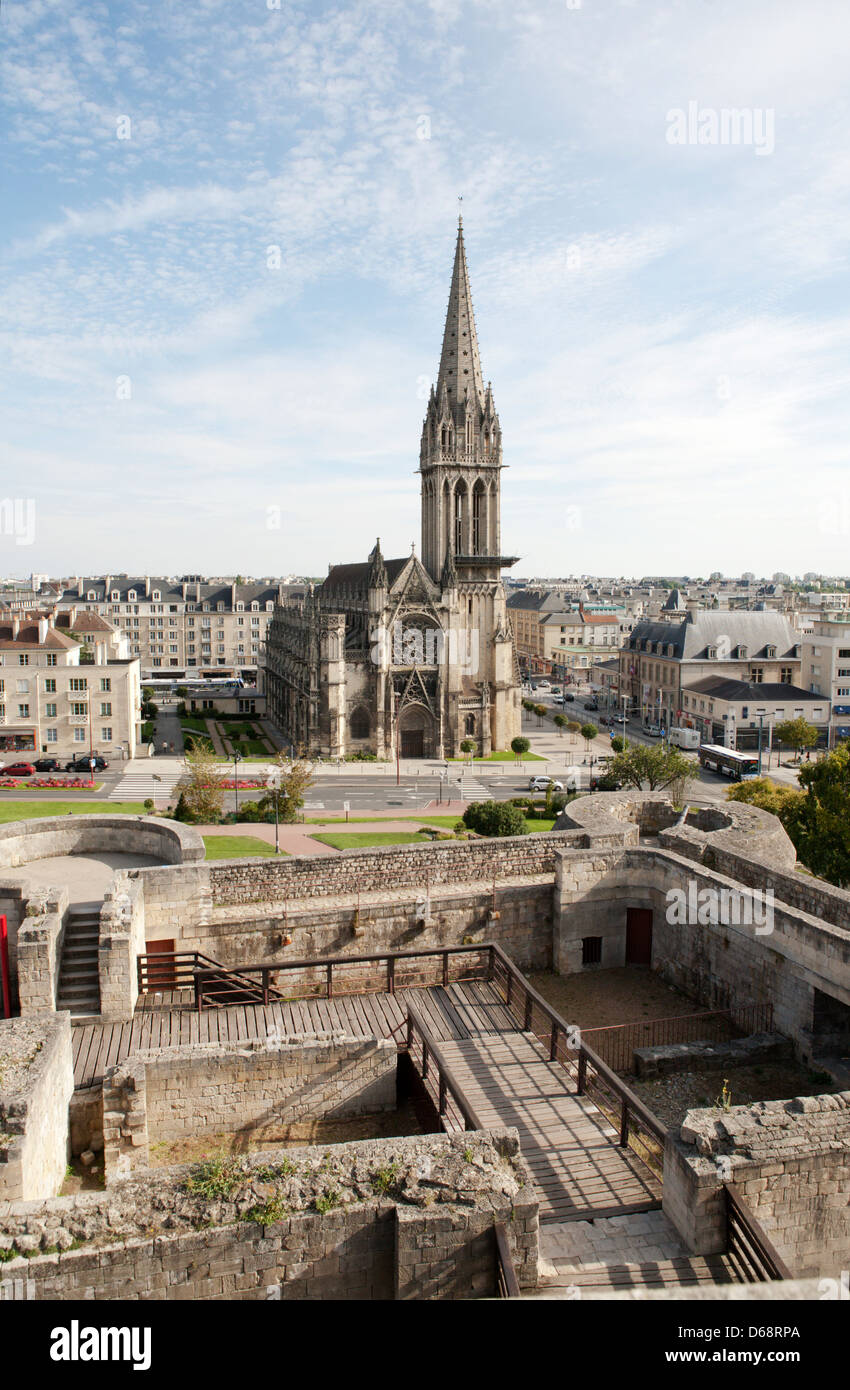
739	766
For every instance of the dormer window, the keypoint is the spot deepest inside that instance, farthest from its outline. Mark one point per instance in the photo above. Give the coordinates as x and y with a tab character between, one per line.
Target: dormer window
770	653
712	653
255	607
219	608
240	607
91	594
132	596
743	653
155	595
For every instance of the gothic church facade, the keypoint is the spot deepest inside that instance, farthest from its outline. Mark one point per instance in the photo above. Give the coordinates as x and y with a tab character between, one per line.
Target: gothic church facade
414	656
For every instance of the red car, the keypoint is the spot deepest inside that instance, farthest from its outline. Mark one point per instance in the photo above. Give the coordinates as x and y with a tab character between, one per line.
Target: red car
19	770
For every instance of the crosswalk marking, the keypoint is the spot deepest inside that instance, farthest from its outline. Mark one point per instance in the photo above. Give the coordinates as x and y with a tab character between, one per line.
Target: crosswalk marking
139	786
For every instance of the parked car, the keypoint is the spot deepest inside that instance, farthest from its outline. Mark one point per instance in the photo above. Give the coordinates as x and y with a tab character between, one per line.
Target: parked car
556	690
48	765
542	784
591	704
605	783
567	698
84	764
603	719
544	685
19	770
620	719
653	730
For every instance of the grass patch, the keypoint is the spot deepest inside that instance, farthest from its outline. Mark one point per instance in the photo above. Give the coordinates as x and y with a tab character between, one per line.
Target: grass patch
371	839
539	823
33	810
237	847
503	756
443	822
217	1177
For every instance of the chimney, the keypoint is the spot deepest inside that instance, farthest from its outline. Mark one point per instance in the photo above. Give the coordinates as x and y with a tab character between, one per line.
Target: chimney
16	625
147	586
81	588
43	626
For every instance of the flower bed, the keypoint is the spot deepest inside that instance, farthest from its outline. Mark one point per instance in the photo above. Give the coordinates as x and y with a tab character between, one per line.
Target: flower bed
66	784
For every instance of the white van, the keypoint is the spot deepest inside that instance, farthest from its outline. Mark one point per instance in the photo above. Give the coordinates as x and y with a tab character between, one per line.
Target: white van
684	738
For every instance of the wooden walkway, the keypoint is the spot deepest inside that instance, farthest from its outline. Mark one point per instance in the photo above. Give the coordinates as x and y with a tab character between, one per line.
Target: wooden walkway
166	1019
504	1074
566	1141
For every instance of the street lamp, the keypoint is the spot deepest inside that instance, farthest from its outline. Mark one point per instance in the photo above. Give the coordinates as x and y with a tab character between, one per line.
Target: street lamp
273	783
237	758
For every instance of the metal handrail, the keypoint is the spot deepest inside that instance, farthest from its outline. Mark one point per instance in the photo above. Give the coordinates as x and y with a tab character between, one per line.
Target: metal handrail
748	1244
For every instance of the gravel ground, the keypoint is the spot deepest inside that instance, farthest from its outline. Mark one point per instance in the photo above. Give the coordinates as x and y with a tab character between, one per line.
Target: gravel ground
671	1097
597	998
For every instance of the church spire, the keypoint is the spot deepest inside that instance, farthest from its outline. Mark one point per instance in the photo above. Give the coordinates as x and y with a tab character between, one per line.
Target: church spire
460	362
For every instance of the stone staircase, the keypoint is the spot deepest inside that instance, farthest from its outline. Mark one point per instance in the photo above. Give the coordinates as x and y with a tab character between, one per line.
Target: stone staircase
79	982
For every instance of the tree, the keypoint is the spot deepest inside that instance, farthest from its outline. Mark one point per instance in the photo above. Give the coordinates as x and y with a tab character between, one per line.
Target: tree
540	711
295	778
468	746
560	723
618	744
200	786
797	733
820	828
588	733
495	818
655	767
520	746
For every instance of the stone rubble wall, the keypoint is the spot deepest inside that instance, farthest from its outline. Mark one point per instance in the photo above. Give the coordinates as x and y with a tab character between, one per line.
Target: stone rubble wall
34	1114
723	965
23	841
14	896
218	1088
758	1048
386	922
430	1235
39	958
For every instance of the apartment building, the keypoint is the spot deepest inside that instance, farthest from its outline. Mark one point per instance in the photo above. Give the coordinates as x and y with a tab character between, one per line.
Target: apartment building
184	628
826	669
661	659
67	687
736	714
556	636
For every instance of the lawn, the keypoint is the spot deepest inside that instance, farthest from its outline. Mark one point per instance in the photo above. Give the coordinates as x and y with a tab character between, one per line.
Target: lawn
539	823
237	847
444	822
505	756
371	839
32	810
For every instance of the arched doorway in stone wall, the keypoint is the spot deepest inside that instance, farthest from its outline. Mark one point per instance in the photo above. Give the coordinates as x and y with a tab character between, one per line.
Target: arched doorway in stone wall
417	737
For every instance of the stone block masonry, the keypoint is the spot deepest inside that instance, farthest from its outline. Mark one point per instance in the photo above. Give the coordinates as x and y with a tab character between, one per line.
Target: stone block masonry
245	1090
36	1085
789	1161
380	1219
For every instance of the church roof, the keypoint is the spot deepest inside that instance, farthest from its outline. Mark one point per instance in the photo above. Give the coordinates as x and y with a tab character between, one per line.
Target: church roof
460	362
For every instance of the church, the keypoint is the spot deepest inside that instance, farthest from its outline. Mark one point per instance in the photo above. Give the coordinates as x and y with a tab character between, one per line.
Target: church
414	656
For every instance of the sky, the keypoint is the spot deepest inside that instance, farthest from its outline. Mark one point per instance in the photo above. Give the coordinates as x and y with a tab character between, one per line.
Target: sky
226	244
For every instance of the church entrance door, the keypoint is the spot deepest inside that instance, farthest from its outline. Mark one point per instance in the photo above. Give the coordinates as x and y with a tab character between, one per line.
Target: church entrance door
412	743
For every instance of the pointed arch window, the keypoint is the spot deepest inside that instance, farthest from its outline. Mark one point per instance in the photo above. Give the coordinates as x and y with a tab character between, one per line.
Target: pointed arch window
479	519
461	508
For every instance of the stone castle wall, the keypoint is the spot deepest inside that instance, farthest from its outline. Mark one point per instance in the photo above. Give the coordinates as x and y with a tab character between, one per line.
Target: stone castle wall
248	1090
36	1085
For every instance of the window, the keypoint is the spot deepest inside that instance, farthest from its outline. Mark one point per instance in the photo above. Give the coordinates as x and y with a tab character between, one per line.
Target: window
155	595
79	683
786	675
23	659
770	653
51	658
757	674
50	685
359	725
105	709
22	687
106	684
79	735
79	709
52	735
591	950
50	711
23	711
106	735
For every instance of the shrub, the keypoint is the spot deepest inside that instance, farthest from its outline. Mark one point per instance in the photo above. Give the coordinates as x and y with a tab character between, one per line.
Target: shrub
495	818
